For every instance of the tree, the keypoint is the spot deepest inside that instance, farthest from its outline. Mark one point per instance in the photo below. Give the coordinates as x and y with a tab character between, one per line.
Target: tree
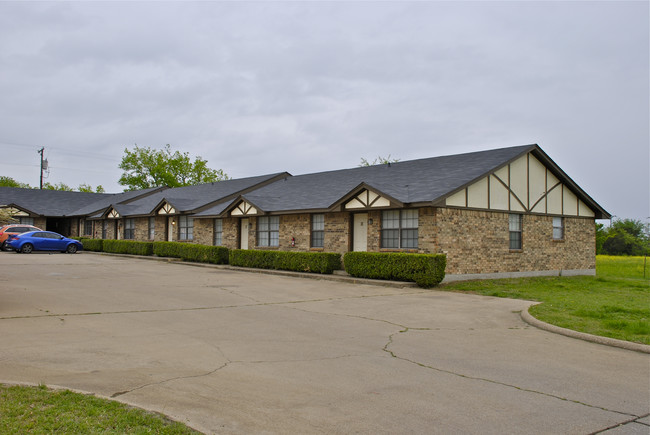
378	161
623	237
57	186
5	216
88	188
10	182
146	167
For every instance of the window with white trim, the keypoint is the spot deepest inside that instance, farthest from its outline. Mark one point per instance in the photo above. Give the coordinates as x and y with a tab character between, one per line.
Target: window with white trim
558	228
515	228
399	229
268	231
88	228
218	232
185	227
26	220
129	229
317	230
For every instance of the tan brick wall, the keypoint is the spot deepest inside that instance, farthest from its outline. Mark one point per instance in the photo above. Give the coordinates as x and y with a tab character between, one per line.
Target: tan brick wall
478	242
204	231
297	226
40	222
337	232
230	233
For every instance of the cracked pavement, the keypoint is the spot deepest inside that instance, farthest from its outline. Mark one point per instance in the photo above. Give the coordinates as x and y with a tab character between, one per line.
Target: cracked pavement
236	352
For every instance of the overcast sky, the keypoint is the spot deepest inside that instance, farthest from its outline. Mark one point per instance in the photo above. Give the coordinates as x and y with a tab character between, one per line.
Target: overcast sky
264	87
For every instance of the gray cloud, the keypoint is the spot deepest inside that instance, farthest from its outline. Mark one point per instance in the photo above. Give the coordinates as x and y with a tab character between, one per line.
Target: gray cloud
265	87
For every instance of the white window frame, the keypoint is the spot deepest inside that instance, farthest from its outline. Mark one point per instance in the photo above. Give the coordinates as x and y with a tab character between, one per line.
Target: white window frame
268	231
218	232
129	229
558	228
317	231
185	227
400	225
516	231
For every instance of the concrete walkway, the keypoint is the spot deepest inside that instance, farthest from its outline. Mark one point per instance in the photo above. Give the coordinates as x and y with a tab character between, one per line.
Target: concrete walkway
235	352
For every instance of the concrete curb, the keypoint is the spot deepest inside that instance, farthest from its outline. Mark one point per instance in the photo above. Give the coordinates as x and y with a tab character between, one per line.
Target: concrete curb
318	276
628	345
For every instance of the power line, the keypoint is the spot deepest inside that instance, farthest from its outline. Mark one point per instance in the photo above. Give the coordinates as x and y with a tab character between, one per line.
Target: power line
63	150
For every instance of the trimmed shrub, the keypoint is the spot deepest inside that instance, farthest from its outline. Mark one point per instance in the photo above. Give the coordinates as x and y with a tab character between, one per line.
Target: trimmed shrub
128	247
192	252
314	262
96	245
427	270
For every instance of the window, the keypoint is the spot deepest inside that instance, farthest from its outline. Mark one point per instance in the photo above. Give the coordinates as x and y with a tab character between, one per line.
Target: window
26	220
317	230
268	231
129	228
218	231
399	229
152	228
558	228
88	228
186	227
515	231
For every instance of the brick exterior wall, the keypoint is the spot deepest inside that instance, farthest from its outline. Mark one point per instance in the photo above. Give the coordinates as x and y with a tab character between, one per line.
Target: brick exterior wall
337	232
478	242
204	231
474	241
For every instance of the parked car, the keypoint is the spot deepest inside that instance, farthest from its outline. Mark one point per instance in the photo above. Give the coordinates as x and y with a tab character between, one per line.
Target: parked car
43	241
14	229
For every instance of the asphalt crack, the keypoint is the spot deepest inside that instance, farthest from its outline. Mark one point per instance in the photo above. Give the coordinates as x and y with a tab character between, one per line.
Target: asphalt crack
492	381
164	381
405	329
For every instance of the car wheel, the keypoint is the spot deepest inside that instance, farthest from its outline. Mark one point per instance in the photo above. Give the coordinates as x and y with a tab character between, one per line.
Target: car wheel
27	248
71	249
3	247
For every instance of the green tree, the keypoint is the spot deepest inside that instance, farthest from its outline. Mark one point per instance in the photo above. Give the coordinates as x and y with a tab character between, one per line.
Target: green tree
378	161
624	237
147	167
88	188
10	182
57	186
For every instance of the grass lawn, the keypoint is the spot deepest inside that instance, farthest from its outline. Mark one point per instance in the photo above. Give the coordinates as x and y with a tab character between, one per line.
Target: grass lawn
37	410
615	303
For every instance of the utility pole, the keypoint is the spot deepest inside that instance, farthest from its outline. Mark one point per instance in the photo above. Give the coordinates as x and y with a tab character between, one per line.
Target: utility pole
41	153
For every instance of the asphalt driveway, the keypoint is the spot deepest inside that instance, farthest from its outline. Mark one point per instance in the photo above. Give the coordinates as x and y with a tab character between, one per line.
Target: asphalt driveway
235	352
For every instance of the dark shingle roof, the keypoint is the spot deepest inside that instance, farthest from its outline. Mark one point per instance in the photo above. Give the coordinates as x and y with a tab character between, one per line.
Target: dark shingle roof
48	202
415	181
190	198
115	198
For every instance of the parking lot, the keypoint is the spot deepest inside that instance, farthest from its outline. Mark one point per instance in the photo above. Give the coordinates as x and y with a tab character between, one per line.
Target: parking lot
238	352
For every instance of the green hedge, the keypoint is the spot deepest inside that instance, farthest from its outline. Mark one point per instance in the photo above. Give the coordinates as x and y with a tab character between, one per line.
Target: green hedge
192	252
128	247
315	262
427	270
96	245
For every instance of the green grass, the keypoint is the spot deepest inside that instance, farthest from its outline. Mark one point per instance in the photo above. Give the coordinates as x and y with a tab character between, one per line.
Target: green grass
38	410
615	303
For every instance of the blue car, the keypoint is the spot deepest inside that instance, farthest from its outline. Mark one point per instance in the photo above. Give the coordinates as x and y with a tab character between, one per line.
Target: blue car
43	241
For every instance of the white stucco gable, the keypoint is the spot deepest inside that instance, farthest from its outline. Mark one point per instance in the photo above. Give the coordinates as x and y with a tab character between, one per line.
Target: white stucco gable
524	185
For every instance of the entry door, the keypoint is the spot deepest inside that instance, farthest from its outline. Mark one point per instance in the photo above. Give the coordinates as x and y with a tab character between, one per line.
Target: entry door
360	232
170	229
243	233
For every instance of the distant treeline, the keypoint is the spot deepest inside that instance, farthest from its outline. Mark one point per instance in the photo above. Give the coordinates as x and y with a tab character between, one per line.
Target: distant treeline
623	237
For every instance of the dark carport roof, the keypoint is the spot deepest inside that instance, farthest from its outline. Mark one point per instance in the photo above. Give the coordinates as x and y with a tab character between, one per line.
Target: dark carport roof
48	202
